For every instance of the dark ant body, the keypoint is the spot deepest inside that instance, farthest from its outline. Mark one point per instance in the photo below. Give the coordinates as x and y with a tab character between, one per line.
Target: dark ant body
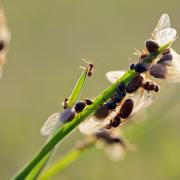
88	101
115	122
126	109
134	84
152	46
90	69
103	111
159	70
79	106
110	138
124	113
65	103
69	113
139	67
166	56
150	86
117	98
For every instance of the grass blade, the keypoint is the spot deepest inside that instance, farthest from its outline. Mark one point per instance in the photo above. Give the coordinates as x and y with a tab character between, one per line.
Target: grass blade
77	89
63	163
72	100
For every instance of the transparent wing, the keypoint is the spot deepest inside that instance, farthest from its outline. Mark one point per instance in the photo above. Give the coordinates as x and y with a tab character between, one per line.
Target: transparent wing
165	36
94	125
141	101
173	68
113	76
115	151
169	70
50	124
91	126
163	23
162	33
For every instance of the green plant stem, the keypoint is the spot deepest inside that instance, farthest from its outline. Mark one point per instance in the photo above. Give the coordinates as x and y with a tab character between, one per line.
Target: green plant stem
73	98
64	162
39	167
68	128
77	89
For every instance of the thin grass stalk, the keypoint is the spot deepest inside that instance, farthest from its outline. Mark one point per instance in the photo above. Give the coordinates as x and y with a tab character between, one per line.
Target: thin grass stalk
66	161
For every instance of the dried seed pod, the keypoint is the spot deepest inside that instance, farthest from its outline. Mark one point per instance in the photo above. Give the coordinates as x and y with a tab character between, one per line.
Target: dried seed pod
135	84
126	108
151	46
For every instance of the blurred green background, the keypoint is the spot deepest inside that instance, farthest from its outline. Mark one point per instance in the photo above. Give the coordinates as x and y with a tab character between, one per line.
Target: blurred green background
49	39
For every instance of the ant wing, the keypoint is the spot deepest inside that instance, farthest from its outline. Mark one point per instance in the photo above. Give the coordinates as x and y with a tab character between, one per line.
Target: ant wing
115	151
173	68
141	101
169	70
50	124
91	126
113	76
56	120
163	33
165	36
163	23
